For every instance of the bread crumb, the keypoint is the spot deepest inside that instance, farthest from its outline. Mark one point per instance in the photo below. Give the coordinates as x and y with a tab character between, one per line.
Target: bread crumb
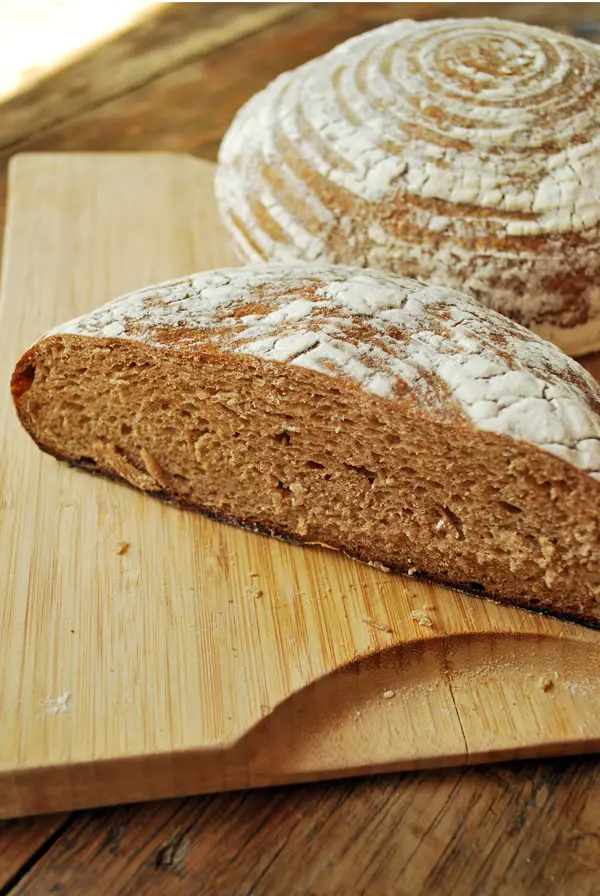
55	705
389	694
546	683
411	570
380	626
421	618
252	592
123	547
254	575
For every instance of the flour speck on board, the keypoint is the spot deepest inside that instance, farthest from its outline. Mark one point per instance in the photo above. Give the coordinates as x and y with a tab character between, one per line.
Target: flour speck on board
421	618
376	624
54	705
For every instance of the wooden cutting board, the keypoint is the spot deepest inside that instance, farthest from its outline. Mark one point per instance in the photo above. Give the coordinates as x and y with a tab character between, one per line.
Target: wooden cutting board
202	657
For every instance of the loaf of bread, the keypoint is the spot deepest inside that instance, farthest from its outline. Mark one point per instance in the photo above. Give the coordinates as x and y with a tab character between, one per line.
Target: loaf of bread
404	424
465	153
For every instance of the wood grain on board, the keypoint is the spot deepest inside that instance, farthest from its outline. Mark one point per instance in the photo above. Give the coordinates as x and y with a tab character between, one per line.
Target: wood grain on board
203	657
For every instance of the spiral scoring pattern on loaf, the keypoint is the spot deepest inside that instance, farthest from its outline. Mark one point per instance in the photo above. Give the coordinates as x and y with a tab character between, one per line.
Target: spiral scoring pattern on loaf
397	339
481	136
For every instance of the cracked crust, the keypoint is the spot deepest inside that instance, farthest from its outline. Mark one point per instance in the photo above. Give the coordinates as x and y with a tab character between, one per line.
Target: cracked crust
394	337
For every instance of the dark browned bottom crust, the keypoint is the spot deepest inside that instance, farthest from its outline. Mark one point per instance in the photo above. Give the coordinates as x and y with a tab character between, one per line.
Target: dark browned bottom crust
256	528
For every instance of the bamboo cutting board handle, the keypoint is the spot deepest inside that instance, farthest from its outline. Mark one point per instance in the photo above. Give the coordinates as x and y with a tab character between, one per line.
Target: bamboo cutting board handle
200	657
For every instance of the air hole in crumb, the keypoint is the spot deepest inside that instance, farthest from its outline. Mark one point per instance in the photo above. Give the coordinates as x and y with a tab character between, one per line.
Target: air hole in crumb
125	429
510	508
283	487
368	474
24	381
284	437
314	465
456	522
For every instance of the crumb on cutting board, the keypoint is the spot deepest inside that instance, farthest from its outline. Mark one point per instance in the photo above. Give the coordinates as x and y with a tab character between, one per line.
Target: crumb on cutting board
123	547
58	704
545	683
251	591
389	694
421	618
374	623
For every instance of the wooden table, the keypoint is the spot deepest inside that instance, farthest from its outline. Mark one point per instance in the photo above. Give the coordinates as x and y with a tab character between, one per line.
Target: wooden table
173	82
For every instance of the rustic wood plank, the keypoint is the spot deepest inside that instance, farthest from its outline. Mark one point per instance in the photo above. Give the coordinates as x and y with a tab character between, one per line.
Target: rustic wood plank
160	41
496	831
23	839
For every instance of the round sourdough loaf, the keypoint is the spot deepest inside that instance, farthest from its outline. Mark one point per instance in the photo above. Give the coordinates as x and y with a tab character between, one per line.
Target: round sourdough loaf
461	152
407	425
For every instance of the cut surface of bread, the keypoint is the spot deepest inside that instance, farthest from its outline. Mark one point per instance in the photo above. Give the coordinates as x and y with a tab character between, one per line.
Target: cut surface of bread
404	424
465	152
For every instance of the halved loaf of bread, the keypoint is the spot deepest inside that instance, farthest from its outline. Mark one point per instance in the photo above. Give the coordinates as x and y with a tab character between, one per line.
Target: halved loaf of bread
404	424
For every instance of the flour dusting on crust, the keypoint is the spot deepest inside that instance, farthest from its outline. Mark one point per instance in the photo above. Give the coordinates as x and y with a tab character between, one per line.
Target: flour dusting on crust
396	338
